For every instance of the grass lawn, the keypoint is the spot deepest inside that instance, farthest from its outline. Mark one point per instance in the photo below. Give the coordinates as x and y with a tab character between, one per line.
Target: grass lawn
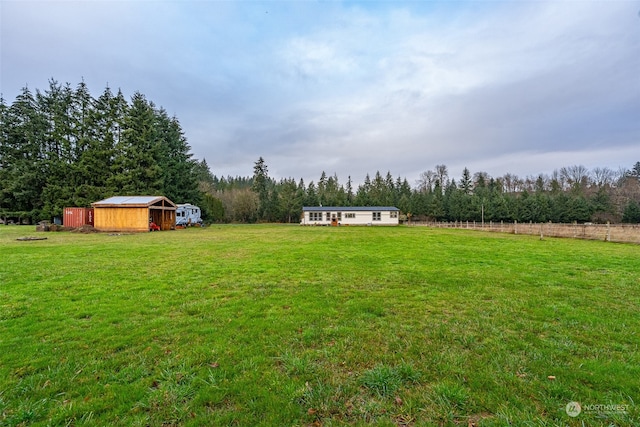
288	325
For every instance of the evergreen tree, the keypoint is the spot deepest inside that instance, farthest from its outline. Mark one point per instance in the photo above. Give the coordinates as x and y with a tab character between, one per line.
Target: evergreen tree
436	203
498	206
82	191
203	174
81	113
465	182
136	167
341	197
539	186
272	211
349	191
378	191
25	161
449	206
635	171
334	192
579	209
601	204
301	194
363	197
322	190
6	159
57	108
178	169
261	186
95	163
417	205
631	213
311	198
289	200
533	208
404	190
560	208
388	196
404	203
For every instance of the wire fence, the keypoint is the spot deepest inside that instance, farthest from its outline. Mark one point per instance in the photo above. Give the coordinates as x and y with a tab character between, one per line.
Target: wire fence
623	233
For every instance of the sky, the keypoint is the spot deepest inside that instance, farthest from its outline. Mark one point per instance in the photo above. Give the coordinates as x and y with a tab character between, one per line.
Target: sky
354	87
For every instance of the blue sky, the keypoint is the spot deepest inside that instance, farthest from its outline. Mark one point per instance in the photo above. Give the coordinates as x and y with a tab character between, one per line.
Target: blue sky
523	87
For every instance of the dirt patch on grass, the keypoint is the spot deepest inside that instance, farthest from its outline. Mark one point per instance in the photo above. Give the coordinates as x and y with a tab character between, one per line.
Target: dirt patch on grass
85	229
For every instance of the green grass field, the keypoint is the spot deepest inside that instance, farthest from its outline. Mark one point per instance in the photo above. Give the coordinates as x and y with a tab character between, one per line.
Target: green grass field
288	325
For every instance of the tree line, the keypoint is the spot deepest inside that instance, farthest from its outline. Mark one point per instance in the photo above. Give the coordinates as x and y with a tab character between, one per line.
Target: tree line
63	147
570	194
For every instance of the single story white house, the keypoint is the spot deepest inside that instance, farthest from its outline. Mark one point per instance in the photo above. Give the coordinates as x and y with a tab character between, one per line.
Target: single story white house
353	215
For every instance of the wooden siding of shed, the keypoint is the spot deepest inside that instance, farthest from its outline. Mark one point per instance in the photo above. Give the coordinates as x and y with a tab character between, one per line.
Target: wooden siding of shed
164	218
121	219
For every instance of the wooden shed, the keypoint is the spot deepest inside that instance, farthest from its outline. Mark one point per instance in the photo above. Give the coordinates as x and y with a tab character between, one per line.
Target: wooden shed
134	213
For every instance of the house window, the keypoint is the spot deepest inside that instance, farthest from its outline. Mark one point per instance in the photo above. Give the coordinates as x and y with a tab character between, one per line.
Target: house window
393	214
339	216
350	215
377	216
328	216
315	216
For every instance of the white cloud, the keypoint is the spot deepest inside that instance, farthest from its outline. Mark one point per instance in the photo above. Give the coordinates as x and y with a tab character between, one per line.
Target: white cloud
316	59
355	88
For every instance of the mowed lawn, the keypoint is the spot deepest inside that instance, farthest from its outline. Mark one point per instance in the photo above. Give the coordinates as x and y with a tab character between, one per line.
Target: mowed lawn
287	325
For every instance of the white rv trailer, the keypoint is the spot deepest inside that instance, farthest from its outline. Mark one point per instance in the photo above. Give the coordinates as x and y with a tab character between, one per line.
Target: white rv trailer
188	214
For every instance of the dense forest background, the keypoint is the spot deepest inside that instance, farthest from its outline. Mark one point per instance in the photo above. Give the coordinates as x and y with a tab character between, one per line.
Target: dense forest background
571	194
62	147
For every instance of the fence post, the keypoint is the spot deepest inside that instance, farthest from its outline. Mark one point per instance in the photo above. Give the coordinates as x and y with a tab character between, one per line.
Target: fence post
608	239
515	226
541	235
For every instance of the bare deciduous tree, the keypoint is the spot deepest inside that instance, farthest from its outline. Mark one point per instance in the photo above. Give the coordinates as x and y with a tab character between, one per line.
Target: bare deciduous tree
602	177
426	181
576	176
512	183
442	175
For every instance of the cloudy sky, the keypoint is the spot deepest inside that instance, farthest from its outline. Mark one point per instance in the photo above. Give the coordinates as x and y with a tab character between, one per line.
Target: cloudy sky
352	87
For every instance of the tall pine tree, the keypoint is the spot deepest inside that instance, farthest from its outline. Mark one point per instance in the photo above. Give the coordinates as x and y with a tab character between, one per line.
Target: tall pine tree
136	167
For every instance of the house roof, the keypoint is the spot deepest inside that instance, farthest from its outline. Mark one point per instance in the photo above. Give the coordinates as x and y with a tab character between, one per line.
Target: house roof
133	201
349	208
